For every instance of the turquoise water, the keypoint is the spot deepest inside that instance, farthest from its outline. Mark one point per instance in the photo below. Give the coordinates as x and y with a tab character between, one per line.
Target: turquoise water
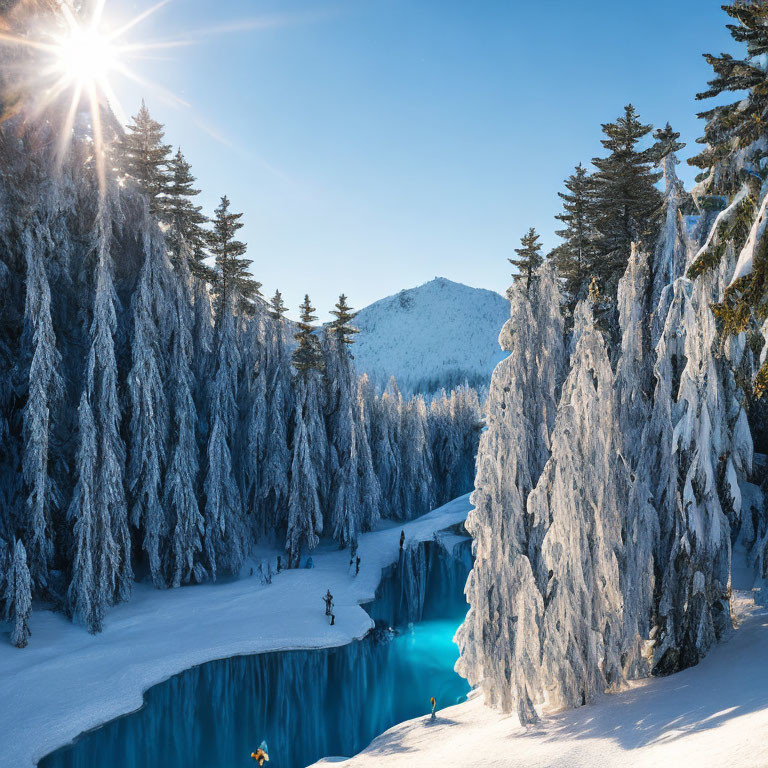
304	704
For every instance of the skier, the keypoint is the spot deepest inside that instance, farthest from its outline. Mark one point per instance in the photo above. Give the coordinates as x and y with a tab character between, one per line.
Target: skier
434	704
402	540
328	600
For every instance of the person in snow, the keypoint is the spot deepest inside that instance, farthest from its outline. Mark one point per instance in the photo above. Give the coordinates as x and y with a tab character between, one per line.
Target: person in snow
402	540
434	704
357	565
328	600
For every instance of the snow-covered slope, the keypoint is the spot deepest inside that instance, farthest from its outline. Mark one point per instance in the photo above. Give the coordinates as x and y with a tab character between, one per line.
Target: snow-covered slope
714	715
436	335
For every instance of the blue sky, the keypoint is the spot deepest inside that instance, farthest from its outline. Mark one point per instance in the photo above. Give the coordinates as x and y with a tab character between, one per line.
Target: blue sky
375	144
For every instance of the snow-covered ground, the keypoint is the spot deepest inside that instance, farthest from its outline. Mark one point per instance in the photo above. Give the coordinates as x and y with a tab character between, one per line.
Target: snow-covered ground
68	681
712	715
432	336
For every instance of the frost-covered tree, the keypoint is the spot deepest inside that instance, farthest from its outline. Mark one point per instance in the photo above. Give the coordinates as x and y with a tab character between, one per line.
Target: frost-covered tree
274	487
254	419
180	492
350	510
45	391
670	255
528	259
101	571
223	505
640	529
499	640
309	441
18	596
148	426
142	156
578	498
694	423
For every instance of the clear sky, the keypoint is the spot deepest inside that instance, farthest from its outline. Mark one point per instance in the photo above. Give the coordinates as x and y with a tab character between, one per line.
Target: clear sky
375	144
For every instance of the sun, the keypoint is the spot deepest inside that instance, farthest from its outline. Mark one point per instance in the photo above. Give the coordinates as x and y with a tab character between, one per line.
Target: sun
74	61
84	56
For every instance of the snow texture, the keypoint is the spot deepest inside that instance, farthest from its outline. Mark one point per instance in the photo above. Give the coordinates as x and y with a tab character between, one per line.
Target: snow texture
435	336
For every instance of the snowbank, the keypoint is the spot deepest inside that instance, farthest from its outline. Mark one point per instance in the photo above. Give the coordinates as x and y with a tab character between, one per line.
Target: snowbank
714	714
68	681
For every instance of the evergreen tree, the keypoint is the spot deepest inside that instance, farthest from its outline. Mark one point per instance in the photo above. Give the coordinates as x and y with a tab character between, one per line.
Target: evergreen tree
341	328
733	165
274	487
186	219
223	507
45	392
233	280
185	521
148	427
626	202
143	157
307	356
101	573
740	124
528	259
575	257
277	308
18	596
309	445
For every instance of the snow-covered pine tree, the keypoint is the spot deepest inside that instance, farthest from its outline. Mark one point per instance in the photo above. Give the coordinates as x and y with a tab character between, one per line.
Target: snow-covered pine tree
102	572
309	447
382	423
575	256
274	486
180	489
143	157
467	423
500	640
18	596
528	259
185	219
640	527
345	432
369	490
148	427
232	276
445	446
253	423
223	506
45	391
670	256
417	492
695	421
581	629
626	203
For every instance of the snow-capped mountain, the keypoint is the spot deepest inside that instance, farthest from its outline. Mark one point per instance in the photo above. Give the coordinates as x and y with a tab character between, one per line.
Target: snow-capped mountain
439	334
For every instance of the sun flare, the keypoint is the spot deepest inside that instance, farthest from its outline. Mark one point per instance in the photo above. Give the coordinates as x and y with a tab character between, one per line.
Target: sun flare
75	62
85	56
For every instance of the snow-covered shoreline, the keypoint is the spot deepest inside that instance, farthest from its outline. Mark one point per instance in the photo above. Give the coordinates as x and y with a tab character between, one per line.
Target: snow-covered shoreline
713	715
68	681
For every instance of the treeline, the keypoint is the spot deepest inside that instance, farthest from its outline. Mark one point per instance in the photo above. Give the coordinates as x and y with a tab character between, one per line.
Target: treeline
606	208
157	415
613	477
